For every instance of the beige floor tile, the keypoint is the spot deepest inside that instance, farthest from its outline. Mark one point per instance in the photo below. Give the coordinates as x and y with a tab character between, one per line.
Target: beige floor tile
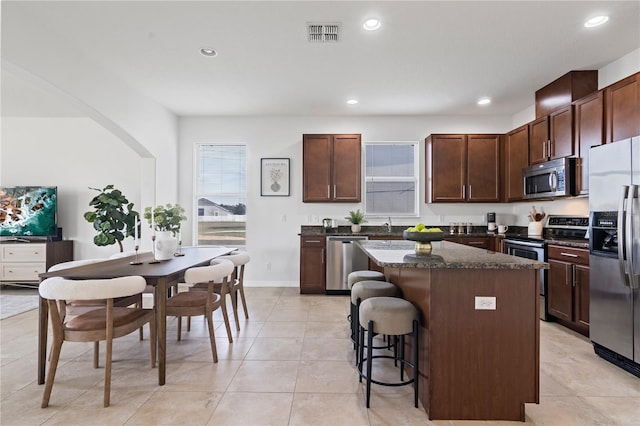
328	349
201	376
283	329
325	409
265	376
327	377
336	330
251	408
275	348
176	408
619	410
318	386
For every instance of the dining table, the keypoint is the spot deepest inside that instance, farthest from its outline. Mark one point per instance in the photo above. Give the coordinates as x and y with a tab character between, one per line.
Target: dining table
159	274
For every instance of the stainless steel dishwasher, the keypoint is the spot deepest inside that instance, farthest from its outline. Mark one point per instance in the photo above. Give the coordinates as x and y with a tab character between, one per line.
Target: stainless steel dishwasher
343	257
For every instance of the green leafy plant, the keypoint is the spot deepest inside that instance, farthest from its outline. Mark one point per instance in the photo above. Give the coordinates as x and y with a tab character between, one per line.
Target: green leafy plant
356	217
113	217
166	218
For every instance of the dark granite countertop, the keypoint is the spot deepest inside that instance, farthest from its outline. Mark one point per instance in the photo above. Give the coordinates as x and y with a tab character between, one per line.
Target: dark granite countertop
380	232
444	255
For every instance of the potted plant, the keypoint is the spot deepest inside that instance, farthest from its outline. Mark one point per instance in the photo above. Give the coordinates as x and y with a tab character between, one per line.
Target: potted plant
165	222
113	217
356	218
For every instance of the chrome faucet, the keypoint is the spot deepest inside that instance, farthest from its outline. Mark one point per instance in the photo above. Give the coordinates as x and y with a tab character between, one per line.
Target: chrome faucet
388	225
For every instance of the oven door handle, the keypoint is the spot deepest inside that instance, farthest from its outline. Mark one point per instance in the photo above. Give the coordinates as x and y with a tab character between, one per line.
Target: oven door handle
523	243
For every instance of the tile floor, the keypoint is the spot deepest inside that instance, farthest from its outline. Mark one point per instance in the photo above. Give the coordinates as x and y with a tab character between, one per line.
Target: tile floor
291	364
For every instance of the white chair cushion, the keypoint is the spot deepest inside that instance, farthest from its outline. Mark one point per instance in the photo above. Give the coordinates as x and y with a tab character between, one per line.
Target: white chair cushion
239	258
58	288
218	269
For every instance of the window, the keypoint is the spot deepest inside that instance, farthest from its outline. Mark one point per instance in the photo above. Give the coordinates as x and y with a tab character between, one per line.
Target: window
391	178
221	194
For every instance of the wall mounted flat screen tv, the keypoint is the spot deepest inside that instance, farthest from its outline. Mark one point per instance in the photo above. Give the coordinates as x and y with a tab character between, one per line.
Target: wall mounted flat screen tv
28	211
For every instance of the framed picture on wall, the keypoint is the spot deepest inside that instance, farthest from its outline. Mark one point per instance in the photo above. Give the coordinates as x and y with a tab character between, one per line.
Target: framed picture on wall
274	177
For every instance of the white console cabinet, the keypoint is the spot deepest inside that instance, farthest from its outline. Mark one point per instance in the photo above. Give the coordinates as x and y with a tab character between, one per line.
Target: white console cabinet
24	262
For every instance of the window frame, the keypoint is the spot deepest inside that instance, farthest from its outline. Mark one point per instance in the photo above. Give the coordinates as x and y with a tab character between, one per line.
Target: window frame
414	179
197	195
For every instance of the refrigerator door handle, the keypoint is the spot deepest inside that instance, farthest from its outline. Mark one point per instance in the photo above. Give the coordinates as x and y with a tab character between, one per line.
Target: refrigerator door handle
622	236
629	234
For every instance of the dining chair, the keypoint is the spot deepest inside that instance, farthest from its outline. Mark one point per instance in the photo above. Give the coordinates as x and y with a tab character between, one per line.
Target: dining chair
77	307
195	303
106	323
235	285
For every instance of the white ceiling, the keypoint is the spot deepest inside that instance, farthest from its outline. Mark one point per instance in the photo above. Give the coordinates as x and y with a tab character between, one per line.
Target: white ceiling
429	57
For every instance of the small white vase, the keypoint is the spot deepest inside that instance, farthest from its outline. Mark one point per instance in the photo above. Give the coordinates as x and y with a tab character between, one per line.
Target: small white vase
535	229
166	245
356	228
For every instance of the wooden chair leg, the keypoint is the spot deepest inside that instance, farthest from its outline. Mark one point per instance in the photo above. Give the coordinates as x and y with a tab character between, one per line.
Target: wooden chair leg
188	323
180	327
96	354
139	306
244	302
225	316
234	304
212	336
56	346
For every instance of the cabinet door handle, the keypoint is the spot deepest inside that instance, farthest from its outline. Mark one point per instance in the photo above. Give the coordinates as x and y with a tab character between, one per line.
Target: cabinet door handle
328	191
568	254
566	274
544	149
313	241
464	191
322	256
575	276
334	191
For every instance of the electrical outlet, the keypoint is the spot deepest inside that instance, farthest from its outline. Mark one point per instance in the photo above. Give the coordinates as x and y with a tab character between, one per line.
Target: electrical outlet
485	303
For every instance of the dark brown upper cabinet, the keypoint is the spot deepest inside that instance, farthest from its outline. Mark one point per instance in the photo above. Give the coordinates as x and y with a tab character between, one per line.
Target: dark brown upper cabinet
463	168
331	168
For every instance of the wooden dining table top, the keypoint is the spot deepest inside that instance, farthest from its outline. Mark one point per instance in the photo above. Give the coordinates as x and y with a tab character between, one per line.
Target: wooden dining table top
113	268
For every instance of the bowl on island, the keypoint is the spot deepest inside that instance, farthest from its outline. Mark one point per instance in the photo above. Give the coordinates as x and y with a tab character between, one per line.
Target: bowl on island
423	240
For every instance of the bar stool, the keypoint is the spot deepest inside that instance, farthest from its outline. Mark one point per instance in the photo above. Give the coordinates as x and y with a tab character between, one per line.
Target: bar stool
361	291
365	275
391	316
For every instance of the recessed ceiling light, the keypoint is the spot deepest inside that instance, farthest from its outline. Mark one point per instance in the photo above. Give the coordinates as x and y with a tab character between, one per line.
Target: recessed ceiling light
596	21
208	51
352	101
371	24
484	101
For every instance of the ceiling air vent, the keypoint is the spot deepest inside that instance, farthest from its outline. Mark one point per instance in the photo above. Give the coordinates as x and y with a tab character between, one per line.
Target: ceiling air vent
323	33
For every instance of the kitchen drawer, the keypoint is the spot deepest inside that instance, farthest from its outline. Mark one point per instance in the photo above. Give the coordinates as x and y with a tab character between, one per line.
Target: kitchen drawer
23	253
22	271
308	241
568	254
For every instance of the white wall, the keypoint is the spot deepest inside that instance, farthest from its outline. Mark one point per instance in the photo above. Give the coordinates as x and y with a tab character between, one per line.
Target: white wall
72	154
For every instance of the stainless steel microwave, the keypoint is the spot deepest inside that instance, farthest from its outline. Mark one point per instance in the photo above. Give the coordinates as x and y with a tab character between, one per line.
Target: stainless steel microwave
555	178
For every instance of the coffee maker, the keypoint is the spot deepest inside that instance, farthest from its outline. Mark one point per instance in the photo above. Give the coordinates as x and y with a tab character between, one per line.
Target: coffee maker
491	222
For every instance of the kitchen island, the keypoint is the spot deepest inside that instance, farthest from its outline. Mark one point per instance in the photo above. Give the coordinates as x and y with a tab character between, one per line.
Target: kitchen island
479	347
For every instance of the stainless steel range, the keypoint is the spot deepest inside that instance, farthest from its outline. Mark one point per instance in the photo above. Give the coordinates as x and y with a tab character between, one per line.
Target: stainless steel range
558	228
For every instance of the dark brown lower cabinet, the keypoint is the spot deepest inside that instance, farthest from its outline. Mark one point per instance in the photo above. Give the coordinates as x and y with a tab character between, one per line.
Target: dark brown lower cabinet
312	265
568	287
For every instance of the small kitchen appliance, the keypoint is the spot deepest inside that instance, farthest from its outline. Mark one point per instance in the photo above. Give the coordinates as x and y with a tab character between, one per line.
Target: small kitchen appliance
491	222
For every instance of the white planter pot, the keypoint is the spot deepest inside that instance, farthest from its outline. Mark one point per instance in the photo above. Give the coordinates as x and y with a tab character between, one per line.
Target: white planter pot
166	245
355	228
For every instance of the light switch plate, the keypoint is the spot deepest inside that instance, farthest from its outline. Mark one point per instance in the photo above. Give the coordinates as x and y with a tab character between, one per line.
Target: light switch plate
485	303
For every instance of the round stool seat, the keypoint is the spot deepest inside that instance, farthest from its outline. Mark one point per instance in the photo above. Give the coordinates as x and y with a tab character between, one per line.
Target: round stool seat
357	276
390	315
365	289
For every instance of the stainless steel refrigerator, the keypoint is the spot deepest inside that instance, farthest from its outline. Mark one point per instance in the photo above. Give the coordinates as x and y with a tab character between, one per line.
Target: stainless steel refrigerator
614	277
